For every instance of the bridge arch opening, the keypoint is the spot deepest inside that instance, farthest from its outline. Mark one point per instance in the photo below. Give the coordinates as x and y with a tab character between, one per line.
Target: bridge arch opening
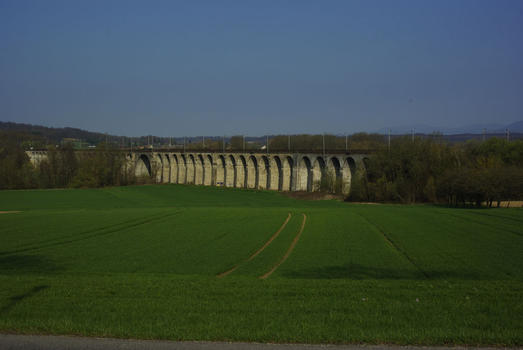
158	168
242	173
304	175
348	172
351	164
335	175
221	171
318	174
252	173
209	172
174	176
264	173
275	173
191	173
143	166
167	169
183	169
199	171
336	166
366	163
232	172
287	170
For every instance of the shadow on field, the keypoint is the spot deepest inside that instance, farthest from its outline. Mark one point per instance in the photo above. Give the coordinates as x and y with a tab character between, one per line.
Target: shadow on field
20	264
14	300
356	271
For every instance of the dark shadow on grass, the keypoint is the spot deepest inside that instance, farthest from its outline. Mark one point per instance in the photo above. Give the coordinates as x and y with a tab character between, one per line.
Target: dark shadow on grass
14	300
360	272
16	264
459	206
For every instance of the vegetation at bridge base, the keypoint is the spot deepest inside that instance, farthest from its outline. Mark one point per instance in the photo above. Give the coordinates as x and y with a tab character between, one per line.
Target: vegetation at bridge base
63	168
428	170
142	262
329	182
15	169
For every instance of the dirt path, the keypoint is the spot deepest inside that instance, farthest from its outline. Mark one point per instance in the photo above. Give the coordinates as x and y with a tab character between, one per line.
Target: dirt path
223	274
10	212
289	251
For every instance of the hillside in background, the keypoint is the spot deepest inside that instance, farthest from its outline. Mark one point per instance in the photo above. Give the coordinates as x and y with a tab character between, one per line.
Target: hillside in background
41	136
490	128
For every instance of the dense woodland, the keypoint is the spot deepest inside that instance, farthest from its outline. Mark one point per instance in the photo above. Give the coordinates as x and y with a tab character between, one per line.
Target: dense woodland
408	170
429	170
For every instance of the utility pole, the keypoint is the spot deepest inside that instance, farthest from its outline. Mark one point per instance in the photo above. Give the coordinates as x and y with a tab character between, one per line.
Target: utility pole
267	143
323	144
346	142
389	141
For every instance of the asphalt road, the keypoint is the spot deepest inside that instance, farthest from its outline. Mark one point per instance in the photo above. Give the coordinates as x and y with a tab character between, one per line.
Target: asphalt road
42	342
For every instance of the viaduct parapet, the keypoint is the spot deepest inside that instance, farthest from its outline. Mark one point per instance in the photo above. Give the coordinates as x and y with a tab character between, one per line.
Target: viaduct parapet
273	171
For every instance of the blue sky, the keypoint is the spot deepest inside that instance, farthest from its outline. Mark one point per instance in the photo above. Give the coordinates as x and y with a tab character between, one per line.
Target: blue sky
260	67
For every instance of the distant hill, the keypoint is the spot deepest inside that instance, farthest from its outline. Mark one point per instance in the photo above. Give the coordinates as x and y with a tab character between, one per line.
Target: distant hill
49	135
54	135
491	128
43	135
516	127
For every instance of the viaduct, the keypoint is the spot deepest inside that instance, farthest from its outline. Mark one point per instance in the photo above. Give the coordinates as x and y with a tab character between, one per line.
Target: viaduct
273	171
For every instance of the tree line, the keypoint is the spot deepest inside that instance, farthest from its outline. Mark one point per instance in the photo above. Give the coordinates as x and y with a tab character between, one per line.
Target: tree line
406	170
63	167
413	170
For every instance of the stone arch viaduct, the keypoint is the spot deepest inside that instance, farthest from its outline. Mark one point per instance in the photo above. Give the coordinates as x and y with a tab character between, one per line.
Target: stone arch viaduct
273	171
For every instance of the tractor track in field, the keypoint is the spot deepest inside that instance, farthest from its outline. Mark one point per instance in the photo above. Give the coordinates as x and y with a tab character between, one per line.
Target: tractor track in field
396	247
289	251
503	217
94	233
50	242
273	237
482	223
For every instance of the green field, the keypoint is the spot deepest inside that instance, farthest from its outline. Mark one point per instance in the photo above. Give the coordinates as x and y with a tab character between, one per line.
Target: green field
144	262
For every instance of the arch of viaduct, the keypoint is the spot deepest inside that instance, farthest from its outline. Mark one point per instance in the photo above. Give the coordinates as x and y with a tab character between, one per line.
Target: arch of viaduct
281	172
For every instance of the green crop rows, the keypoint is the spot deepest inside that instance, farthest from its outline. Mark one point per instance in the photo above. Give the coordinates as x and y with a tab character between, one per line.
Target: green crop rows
145	262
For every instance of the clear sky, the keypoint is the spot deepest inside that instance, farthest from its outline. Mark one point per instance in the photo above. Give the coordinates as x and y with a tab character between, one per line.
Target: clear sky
260	67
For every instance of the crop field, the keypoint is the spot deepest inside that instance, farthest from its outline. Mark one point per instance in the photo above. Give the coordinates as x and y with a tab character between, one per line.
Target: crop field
206	263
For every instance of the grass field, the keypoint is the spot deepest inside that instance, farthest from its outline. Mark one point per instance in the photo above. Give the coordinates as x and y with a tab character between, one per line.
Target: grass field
149	262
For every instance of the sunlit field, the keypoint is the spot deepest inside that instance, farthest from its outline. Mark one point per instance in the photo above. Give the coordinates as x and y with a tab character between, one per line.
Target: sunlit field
207	263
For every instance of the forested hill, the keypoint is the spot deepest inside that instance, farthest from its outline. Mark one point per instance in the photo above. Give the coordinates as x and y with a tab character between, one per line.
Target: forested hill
53	135
37	136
